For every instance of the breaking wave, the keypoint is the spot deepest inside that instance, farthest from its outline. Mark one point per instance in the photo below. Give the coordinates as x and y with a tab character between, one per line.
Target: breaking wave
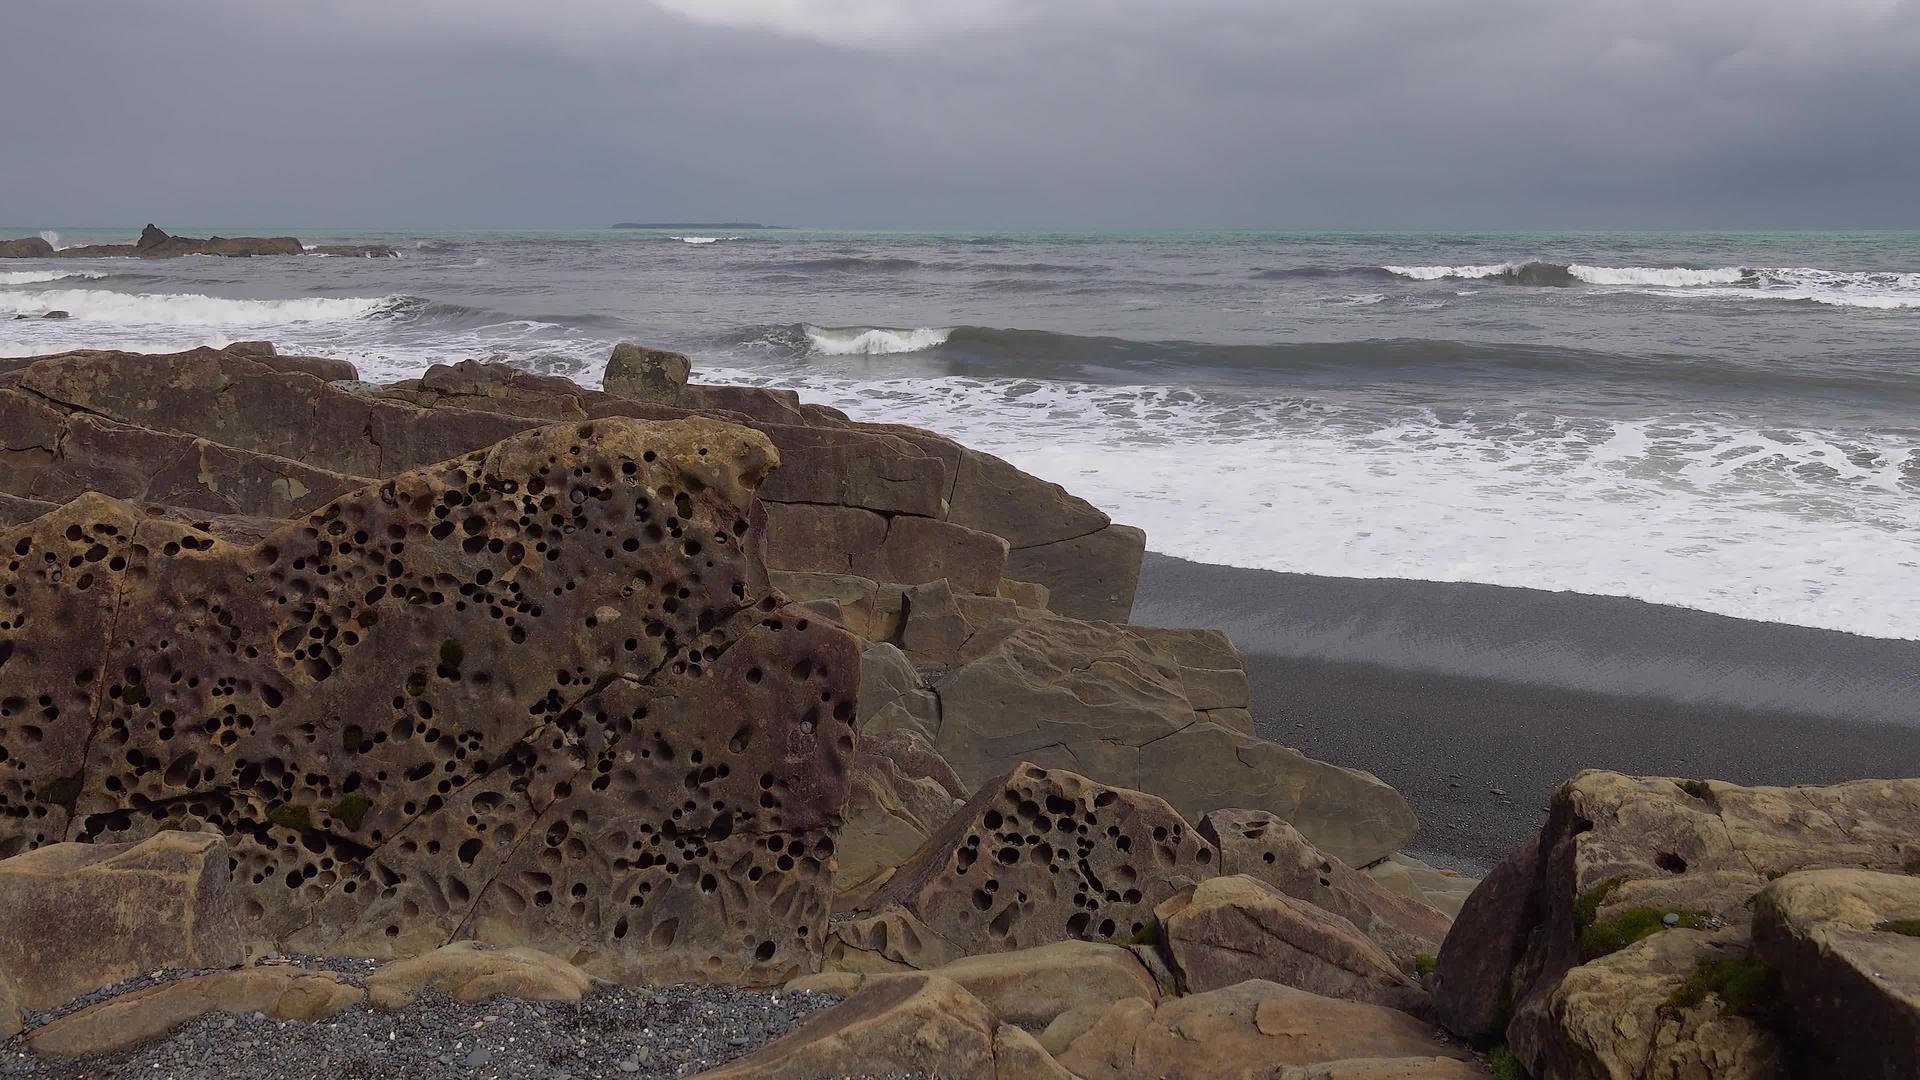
35	277
187	309
871	341
702	239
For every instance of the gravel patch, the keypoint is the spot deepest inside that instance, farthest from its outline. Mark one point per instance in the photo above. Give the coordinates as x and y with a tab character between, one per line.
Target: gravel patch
613	1034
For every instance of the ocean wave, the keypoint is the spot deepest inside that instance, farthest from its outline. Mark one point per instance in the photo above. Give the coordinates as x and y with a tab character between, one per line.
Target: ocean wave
702	239
1884	290
1672	276
35	277
853	264
53	238
187	309
1512	273
871	341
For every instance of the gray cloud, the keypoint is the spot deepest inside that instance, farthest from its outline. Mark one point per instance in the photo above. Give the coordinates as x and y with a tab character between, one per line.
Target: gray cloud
962	113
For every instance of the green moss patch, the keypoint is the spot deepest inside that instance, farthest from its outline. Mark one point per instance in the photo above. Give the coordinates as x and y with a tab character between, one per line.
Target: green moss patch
291	815
1423	964
1748	987
1699	789
1609	936
1908	927
1588	906
1146	935
1503	1065
351	810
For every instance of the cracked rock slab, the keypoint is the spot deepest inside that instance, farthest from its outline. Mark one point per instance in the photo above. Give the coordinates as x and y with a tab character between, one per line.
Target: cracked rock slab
540	693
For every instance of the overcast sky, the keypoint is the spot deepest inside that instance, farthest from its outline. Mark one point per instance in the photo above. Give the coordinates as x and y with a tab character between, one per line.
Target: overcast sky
962	113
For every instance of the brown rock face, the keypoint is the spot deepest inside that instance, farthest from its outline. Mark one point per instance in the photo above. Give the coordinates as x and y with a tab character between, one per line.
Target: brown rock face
905	1024
539	694
1036	856
469	972
154	243
27	247
1262	846
1846	946
644	374
281	993
1249	1031
1617	854
1230	929
74	917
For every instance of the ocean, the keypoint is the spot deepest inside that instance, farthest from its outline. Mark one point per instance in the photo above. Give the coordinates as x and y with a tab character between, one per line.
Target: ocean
1725	422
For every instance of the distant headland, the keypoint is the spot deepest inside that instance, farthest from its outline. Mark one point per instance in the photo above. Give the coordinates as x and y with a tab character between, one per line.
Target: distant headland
693	225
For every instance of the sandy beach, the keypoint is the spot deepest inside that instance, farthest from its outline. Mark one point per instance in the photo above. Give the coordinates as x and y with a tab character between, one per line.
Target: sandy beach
1476	701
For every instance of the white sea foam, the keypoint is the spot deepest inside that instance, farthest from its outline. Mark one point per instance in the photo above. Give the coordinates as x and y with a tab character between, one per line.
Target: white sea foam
860	341
184	309
34	277
53	238
702	239
1436	273
1364	299
1674	276
1762	524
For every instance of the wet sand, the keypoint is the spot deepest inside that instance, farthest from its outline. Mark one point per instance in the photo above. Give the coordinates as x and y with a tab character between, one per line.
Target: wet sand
1476	701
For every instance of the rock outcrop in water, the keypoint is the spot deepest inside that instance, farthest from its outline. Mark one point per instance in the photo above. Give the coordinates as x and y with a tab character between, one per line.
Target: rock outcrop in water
157	244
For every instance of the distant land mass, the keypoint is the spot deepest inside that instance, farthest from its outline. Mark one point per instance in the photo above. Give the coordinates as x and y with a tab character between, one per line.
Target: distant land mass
693	225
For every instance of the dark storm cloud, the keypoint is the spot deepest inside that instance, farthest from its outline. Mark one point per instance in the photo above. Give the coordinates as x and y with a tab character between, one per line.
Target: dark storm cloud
965	113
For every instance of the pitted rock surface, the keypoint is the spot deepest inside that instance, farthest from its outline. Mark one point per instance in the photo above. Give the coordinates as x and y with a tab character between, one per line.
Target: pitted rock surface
1036	856
540	694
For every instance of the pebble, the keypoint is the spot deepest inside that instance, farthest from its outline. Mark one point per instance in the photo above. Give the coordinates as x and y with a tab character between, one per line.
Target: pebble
1670	919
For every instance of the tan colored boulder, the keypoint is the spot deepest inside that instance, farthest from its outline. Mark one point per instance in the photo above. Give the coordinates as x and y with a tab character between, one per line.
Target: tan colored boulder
279	992
845	466
1249	1031
1087	577
469	971
1031	987
906	1024
932	627
873	610
541	694
1113	703
1617	854
1845	945
918	549
1260	845
635	371
75	917
1435	1068
892	807
10	1022
1019	1056
1626	1016
1035	857
1445	891
1231	929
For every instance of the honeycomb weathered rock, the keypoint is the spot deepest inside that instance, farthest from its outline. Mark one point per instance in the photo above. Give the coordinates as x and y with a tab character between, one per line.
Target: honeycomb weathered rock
541	693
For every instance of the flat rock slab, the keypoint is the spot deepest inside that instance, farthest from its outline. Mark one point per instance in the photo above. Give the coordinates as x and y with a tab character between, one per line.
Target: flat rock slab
78	916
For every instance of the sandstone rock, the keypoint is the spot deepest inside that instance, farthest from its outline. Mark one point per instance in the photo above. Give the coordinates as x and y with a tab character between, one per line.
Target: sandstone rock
541	694
1623	1016
1074	1023
1445	891
849	467
255	349
893	698
918	549
644	374
1436	1068
74	917
1108	702
469	972
1019	1056
1472	988
281	993
1227	930
904	1024
873	610
1260	845
836	983
1032	987
1617	854
1036	856
1027	594
10	1022
893	806
932	627
154	243
1846	947
1244	1032
1088	577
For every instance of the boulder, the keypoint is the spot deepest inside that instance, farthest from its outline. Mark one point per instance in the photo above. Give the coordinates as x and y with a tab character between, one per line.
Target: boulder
1227	930
1630	1014
1035	857
932	628
56	313
1623	860
848	467
1261	846
917	1023
1114	703
154	243
1087	577
1845	946
892	807
1444	890
868	608
118	1023
75	917
27	247
1249	1031
539	695
255	349
1436	1068
643	374
10	1022
469	971
1019	1056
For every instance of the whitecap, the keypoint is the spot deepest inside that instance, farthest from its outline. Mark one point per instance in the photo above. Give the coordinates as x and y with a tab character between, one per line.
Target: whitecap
186	309
1435	273
1673	276
873	341
34	277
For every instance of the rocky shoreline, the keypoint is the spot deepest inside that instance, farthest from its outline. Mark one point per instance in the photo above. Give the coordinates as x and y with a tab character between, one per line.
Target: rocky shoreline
157	244
511	691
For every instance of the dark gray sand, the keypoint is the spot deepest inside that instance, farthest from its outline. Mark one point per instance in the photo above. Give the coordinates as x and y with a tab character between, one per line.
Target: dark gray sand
1476	701
613	1034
